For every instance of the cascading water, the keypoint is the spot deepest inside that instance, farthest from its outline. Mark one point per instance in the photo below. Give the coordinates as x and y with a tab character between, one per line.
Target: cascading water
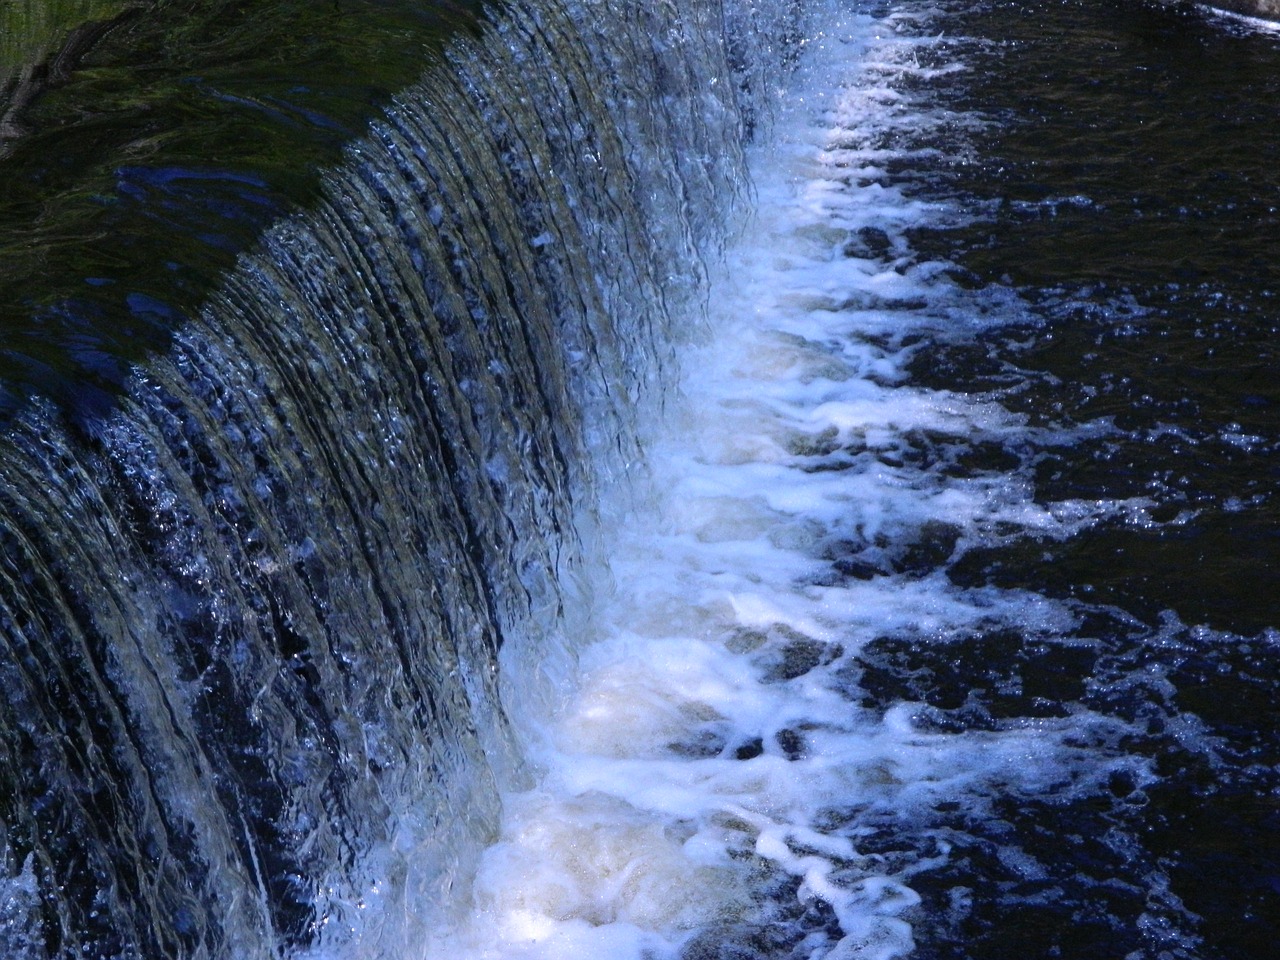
254	620
660	501
882	672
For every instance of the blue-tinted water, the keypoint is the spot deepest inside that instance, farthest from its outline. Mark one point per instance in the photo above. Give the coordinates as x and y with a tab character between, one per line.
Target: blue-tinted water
915	594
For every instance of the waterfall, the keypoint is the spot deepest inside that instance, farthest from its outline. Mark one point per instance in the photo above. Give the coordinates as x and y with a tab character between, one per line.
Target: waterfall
265	625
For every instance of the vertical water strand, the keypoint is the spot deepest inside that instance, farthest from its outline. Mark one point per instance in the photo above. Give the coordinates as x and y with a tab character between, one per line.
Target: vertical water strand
585	262
517	314
371	590
106	797
273	594
677	103
721	783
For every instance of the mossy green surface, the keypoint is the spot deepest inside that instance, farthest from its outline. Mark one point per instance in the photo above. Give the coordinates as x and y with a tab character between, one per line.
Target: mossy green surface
33	30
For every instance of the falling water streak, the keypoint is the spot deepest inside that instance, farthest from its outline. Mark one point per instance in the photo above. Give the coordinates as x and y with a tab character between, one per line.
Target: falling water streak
254	620
718	783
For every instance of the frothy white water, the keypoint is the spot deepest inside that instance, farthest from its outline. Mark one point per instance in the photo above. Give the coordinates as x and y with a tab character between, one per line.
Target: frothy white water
710	777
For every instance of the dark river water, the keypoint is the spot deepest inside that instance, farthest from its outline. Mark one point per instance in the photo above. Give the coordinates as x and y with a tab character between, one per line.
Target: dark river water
286	608
1126	184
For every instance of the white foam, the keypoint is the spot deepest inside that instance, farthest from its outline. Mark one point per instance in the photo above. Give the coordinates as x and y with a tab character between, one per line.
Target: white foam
707	769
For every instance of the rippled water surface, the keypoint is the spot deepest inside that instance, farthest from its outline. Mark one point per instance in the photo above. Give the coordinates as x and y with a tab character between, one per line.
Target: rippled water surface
1128	185
1125	183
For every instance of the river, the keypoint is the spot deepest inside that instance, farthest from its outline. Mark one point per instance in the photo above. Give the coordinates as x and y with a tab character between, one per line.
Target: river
704	480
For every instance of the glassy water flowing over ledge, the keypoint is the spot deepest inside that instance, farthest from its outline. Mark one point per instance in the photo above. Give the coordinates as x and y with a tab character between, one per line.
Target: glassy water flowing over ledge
147	143
706	480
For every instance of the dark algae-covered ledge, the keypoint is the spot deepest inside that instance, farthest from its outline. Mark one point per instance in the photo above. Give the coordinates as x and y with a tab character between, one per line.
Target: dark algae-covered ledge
146	145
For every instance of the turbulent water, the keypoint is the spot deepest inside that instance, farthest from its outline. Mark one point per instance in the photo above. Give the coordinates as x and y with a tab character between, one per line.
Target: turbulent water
707	481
